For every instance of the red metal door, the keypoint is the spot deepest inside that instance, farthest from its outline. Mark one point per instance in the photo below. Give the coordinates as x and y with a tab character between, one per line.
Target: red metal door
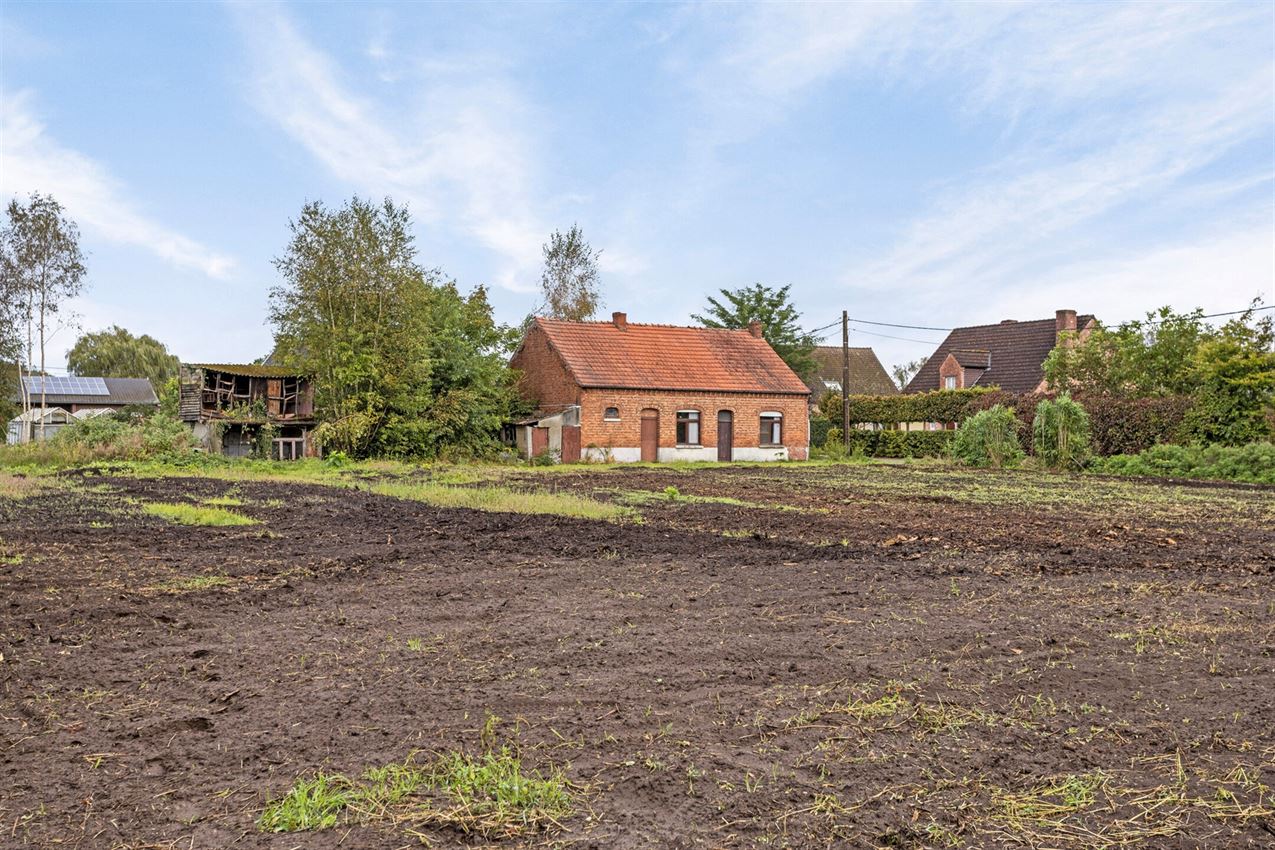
650	435
725	436
539	441
570	443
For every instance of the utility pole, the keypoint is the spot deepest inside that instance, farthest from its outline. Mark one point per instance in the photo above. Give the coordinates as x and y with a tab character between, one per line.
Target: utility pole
845	377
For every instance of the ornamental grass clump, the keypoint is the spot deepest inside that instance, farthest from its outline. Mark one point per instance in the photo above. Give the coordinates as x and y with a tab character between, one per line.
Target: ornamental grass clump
989	438
1060	433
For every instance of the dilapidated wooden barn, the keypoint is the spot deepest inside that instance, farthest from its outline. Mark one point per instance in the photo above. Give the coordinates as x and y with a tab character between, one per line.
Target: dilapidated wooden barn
235	408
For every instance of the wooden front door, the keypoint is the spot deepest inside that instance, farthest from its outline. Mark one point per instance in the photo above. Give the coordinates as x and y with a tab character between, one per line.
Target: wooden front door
650	435
725	436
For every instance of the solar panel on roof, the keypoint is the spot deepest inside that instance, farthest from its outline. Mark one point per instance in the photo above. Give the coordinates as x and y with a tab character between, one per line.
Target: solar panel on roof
64	385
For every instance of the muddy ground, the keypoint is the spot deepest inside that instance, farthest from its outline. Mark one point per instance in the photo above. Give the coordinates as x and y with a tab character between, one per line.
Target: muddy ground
831	657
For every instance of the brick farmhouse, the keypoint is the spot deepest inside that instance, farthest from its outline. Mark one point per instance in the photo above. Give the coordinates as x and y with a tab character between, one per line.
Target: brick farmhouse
630	392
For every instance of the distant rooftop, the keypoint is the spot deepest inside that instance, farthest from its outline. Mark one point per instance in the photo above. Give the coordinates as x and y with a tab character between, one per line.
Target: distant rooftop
75	389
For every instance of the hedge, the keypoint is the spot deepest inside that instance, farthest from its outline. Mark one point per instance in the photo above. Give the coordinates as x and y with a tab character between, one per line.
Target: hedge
819	428
935	406
901	443
1132	425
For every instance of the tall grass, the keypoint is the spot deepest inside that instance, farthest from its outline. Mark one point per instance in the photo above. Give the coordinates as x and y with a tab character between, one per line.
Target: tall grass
184	514
502	500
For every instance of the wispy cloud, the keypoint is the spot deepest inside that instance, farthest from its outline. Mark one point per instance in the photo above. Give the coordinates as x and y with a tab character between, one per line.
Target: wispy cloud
1107	110
32	161
459	154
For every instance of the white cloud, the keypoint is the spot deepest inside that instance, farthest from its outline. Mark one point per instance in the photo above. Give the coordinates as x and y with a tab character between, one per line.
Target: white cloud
1219	271
459	155
1108	111
32	161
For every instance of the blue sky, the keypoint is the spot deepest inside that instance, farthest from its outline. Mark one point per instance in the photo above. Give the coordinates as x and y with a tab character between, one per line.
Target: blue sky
927	164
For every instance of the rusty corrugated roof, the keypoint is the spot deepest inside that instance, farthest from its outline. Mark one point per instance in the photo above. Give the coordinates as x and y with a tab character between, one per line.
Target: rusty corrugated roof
668	357
251	370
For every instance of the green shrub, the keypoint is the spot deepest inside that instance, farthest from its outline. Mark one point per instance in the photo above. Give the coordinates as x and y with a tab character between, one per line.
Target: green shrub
820	428
989	438
935	406
1254	463
894	444
109	438
1060	433
1131	425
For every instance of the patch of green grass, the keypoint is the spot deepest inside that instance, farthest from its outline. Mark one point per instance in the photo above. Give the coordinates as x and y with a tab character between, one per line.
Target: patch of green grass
502	500
183	585
222	501
672	494
493	794
184	514
488	794
314	803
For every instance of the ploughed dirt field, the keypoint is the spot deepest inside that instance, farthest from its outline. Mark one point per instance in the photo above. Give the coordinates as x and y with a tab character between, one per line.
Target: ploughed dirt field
786	656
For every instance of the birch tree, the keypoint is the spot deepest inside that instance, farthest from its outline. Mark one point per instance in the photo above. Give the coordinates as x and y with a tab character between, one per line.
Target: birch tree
42	269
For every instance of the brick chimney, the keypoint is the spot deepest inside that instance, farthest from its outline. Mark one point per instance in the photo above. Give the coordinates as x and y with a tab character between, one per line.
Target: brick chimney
621	320
754	328
1064	322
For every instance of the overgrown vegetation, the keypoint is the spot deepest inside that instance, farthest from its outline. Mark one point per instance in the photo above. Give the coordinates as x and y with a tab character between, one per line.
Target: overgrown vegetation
404	364
1061	433
106	438
1253	463
989	438
1228	371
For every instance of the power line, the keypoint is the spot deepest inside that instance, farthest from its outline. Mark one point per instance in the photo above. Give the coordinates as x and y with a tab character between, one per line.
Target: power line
892	325
932	328
902	338
824	328
1212	315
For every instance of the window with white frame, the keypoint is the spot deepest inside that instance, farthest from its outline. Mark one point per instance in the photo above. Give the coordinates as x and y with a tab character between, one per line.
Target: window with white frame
688	427
772	429
612	414
949	383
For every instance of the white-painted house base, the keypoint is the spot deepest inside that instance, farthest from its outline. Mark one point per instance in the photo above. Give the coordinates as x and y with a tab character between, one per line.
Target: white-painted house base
626	454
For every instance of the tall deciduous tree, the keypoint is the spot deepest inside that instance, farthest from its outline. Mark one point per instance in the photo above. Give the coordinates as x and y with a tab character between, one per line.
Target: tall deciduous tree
569	283
774	309
903	372
116	353
403	363
40	261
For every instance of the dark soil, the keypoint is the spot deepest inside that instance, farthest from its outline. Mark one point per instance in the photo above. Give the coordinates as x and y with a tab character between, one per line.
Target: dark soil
856	658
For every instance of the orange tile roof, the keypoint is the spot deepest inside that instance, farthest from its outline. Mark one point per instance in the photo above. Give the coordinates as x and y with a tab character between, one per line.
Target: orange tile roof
666	357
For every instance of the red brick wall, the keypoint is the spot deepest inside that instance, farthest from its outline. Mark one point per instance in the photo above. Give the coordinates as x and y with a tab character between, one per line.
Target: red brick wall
545	379
950	368
747	408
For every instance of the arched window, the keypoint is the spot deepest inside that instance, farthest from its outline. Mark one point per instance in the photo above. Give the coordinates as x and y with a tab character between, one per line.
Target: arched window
688	427
612	414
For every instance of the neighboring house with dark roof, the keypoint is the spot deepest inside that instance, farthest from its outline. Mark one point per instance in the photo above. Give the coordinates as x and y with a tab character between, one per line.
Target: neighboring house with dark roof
867	375
231	406
1009	355
73	393
629	392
